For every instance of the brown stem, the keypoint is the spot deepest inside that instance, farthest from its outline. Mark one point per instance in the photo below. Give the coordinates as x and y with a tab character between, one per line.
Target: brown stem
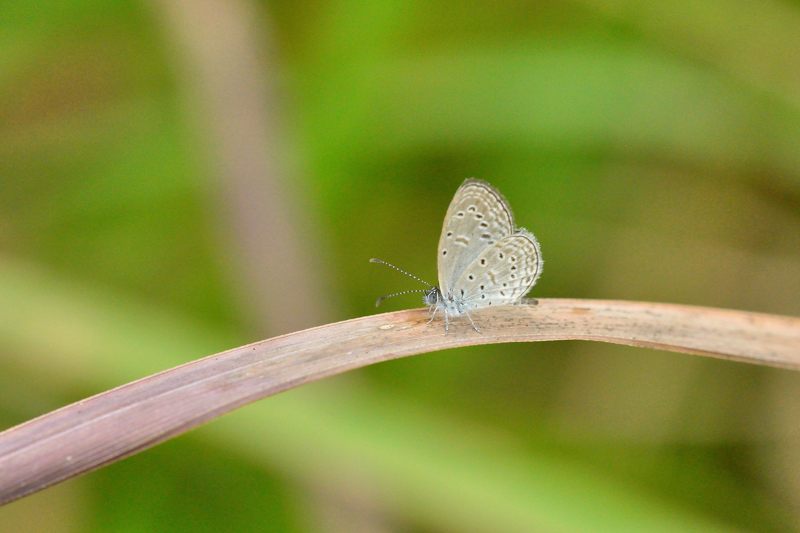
120	422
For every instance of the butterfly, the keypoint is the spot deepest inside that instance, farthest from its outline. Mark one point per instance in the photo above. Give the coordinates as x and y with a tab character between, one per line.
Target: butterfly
483	259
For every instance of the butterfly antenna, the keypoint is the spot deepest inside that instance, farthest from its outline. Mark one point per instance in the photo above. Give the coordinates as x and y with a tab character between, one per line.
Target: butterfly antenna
381	261
387	296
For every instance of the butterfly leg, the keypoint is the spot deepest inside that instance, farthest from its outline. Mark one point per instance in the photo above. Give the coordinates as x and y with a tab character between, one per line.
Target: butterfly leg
471	322
434	308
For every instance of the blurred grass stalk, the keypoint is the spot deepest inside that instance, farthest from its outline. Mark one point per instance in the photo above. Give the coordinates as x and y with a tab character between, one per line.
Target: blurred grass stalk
229	73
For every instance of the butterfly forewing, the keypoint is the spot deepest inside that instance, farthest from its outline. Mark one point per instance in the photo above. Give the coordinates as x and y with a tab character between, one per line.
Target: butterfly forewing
502	273
478	218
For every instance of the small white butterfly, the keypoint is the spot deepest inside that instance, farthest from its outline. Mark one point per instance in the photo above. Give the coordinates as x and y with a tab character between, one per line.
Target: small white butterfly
483	259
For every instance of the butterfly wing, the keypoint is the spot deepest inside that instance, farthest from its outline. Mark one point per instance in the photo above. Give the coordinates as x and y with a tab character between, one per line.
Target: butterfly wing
502	273
478	217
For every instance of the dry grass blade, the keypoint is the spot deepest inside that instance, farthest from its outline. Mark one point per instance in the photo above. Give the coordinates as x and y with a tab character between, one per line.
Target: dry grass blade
120	422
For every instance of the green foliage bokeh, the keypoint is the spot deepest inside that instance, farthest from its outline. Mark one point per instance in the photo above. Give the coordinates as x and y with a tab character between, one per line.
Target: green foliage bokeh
653	149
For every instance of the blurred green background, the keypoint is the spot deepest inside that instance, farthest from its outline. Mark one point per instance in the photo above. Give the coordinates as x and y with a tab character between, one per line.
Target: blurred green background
178	177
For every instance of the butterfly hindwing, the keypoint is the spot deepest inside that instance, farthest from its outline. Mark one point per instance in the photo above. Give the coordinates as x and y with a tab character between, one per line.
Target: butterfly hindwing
502	273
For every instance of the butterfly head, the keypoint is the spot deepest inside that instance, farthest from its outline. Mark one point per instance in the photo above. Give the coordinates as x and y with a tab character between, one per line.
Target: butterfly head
433	297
